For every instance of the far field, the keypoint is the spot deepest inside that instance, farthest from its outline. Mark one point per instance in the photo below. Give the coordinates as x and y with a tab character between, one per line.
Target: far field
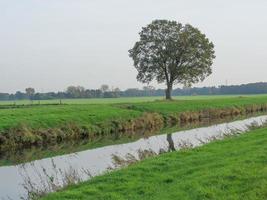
117	100
231	169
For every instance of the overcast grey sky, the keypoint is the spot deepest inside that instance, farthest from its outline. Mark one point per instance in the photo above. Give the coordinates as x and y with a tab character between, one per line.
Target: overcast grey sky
50	44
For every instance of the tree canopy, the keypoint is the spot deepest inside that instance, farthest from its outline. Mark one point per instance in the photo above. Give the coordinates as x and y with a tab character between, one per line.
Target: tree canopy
172	53
30	92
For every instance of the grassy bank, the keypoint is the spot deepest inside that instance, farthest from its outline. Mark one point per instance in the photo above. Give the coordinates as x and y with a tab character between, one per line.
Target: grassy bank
18	156
49	116
234	168
38	124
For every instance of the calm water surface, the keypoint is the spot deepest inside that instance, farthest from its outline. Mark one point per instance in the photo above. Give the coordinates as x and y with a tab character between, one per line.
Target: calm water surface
98	160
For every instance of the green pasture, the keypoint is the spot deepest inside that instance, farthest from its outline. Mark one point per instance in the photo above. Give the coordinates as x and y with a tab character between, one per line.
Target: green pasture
117	100
84	114
231	169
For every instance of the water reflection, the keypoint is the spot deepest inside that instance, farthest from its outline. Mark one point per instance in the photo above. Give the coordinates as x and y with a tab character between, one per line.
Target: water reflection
99	160
39	152
170	142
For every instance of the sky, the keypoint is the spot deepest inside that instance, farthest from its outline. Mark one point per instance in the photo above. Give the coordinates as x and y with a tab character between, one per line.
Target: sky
51	44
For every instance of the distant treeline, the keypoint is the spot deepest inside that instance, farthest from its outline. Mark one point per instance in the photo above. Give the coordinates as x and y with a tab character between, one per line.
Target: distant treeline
105	92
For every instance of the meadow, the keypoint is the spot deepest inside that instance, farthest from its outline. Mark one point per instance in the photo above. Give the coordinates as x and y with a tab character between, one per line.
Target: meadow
233	168
116	100
34	124
84	112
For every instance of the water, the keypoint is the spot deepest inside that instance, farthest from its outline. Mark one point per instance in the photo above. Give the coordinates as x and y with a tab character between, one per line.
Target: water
98	160
24	155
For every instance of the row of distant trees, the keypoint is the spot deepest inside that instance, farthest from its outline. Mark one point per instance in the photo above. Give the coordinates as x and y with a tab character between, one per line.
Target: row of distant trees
107	92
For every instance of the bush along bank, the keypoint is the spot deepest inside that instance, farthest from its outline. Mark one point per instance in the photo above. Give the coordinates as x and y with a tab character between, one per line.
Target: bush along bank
23	136
214	113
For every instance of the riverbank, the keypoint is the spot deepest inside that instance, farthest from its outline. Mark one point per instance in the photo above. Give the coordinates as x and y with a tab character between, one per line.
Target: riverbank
233	168
40	177
18	156
22	127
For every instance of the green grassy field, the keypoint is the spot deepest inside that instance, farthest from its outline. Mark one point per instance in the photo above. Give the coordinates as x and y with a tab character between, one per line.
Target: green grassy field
231	169
84	101
198	104
49	116
118	100
27	125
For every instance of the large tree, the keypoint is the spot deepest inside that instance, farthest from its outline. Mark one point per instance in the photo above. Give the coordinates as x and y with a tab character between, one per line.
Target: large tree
172	53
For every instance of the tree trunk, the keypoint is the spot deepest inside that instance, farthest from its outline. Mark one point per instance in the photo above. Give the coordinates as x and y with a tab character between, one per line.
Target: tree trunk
168	92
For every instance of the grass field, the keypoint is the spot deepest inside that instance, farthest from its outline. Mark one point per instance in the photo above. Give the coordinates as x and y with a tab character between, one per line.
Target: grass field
199	104
84	101
231	169
118	100
28	125
49	116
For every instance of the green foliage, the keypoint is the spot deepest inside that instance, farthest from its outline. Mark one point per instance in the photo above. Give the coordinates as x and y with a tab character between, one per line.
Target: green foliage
234	168
172	53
